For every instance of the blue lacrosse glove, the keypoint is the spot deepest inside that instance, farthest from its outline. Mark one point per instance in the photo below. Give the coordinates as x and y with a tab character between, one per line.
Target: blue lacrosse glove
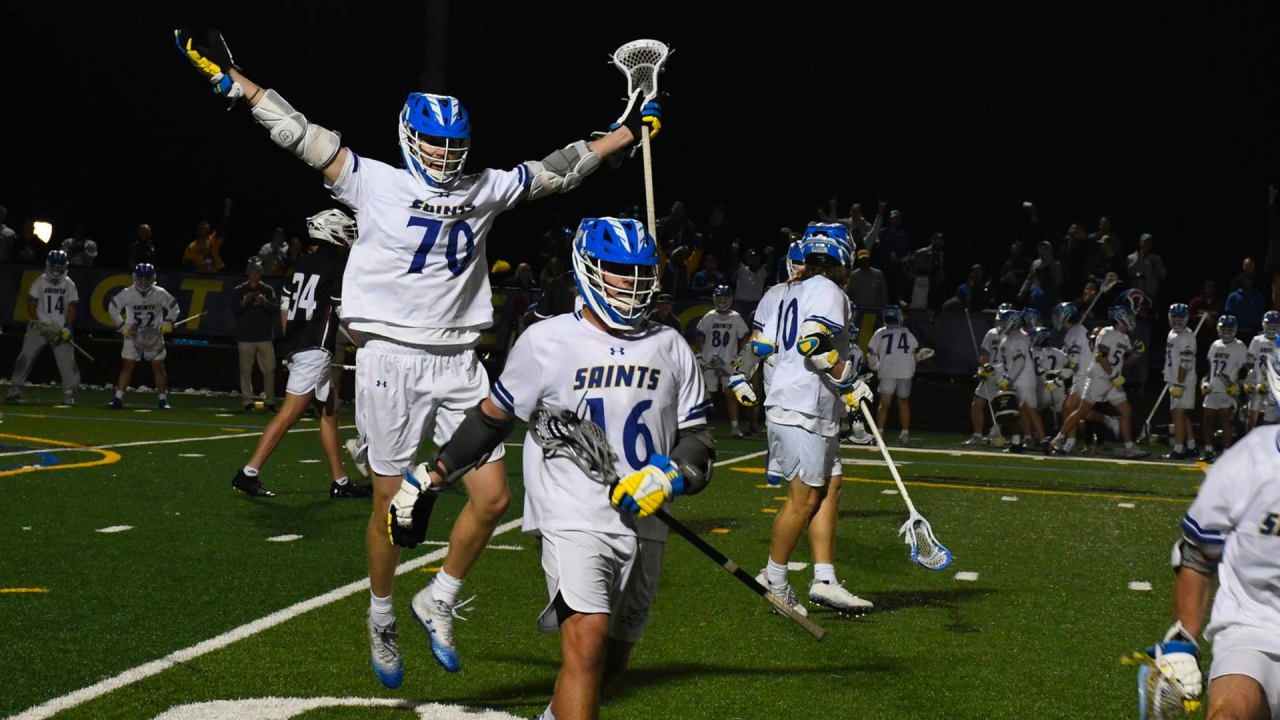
644	491
638	114
212	60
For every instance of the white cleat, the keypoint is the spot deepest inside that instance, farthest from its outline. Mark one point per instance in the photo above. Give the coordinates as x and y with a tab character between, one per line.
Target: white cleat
69	400
359	459
785	593
837	597
975	440
384	654
436	617
904	439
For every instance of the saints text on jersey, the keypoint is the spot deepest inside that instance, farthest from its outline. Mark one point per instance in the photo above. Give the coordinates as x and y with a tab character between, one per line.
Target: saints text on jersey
610	376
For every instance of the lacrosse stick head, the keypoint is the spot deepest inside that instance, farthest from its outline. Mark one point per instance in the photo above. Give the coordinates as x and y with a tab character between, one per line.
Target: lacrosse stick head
1160	696
926	551
1108	282
148	338
641	61
563	434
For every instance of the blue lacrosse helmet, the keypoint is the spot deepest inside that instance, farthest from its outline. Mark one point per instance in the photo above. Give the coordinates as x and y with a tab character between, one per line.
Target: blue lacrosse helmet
1123	316
1271	324
1179	313
723	297
1031	318
795	258
1227	326
55	266
1272	364
144	276
1007	319
615	264
435	135
836	232
822	250
1040	337
892	315
1063	313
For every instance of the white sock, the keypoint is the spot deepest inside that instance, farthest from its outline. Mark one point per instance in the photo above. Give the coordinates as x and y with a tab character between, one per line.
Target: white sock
250	471
1179	448
977	436
164	396
733	424
1059	439
546	714
445	588
1070	445
119	394
824	572
341	481
1128	446
1191	444
1017	439
776	573
381	610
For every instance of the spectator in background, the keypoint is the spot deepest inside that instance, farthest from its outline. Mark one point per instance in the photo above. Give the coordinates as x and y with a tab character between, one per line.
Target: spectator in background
1086	300
749	278
891	252
1013	274
141	250
557	241
975	291
664	316
706	279
1247	305
1248	269
552	270
1148	264
1029	230
867	287
257	311
857	224
934	264
1075	254
676	275
521	290
1106	262
81	251
28	245
204	254
1106	231
1208	303
676	229
718	232
8	238
1045	272
294	255
274	255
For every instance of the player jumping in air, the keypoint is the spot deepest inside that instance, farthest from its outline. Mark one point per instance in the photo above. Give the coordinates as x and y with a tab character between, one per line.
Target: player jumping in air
144	312
51	303
719	337
309	318
416	286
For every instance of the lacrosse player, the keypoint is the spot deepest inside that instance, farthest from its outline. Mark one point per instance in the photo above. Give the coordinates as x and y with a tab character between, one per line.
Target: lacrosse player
144	312
639	382
718	338
1105	380
1017	370
418	289
309	319
1180	374
1226	357
51	303
1261	348
891	353
1078	347
1048	362
1231	531
988	353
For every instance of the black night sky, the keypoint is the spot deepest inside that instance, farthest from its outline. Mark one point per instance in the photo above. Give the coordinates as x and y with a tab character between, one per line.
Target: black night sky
1165	120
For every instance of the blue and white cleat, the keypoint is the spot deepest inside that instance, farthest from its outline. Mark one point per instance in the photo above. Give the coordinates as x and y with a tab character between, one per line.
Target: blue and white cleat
384	654
164	405
436	617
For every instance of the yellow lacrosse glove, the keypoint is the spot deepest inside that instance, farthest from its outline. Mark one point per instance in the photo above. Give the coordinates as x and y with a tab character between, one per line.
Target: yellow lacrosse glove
1118	381
1204	387
986	370
1261	388
64	335
166	328
1003	383
1139	347
1175	391
1232	390
645	490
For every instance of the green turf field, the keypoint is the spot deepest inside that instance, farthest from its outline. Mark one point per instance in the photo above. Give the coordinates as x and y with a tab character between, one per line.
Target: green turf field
1054	545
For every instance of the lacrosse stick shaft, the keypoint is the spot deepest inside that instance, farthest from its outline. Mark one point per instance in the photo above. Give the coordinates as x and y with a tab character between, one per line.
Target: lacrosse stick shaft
189	318
995	424
650	209
893	469
742	575
1146	426
82	351
1105	287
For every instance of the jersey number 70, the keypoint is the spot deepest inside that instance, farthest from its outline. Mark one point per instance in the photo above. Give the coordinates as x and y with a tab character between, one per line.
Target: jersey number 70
431	232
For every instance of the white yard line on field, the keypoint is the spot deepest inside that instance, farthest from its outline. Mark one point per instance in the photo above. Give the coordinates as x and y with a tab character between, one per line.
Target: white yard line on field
1030	455
170	441
52	707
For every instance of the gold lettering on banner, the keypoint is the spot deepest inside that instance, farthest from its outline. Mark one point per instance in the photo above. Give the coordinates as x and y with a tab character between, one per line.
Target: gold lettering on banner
199	290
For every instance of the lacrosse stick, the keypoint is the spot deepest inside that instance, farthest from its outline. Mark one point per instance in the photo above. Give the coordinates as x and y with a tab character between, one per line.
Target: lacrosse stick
924	354
1160	696
189	318
1108	282
716	365
53	335
1146	426
926	551
641	61
561	433
997	438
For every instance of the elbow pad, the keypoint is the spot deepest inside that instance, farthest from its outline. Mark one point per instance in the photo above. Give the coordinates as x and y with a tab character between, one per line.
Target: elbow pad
1188	555
562	170
313	144
695	455
469	448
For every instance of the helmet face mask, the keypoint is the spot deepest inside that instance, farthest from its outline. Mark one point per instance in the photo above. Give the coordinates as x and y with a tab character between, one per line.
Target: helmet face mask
435	137
55	266
615	264
723	297
1227	328
1178	315
1271	324
1063	313
795	259
332	226
144	277
1122	316
1040	337
1007	320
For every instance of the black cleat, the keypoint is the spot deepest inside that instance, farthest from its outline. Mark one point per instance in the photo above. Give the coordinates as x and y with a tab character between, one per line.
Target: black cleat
1208	457
349	490
250	485
1015	449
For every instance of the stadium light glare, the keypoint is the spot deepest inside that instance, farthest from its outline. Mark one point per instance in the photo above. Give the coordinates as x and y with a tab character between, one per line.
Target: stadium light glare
42	230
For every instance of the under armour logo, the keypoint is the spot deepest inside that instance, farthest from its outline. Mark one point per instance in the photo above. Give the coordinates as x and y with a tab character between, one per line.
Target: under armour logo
617	351
380	383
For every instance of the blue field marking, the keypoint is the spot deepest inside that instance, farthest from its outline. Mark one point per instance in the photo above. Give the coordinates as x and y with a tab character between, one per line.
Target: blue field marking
46	458
139	421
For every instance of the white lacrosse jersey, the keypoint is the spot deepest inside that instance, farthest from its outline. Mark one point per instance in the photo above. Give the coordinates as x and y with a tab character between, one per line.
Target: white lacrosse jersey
1115	344
1076	345
766	322
991	346
896	348
722	334
143	310
1260	351
1047	360
53	297
1180	352
1225	361
1238	511
799	394
418	264
1016	362
641	388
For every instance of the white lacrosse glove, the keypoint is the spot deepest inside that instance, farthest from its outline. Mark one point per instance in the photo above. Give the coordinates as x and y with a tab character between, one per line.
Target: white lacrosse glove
410	510
742	389
873	361
815	344
1066	373
1204	387
1178	658
857	395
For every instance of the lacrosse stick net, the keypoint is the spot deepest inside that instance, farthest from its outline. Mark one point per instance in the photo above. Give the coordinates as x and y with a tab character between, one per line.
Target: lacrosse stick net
1160	696
641	61
147	338
561	433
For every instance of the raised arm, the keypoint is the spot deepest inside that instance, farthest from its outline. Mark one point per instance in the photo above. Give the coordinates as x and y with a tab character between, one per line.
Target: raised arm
565	169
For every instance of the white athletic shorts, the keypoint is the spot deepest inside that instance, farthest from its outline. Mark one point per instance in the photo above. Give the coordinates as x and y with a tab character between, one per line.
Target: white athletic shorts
309	370
598	573
900	387
1188	399
1046	399
713	381
1100	390
131	351
1241	650
406	392
1218	400
1077	385
987	389
794	451
1026	390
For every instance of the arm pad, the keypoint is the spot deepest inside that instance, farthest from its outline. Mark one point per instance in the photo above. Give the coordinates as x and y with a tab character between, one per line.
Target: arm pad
562	170
695	455
314	145
470	446
1188	555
